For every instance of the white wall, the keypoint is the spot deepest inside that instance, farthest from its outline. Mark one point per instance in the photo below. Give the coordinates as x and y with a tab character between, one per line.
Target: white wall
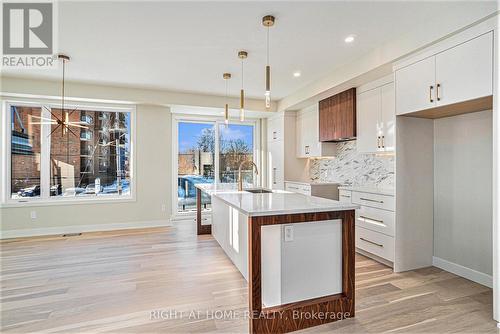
153	184
463	190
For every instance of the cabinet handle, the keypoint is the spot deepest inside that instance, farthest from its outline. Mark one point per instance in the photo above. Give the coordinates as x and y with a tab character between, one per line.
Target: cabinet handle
375	220
345	196
378	141
371	242
383	141
307	149
431	87
370	200
437	92
274	175
274	134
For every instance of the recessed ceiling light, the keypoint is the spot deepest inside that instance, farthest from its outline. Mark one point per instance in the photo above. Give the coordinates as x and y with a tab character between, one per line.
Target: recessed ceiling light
296	74
349	39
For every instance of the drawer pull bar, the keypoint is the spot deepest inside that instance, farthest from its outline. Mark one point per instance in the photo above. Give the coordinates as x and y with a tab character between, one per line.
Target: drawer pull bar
345	196
371	242
370	200
373	221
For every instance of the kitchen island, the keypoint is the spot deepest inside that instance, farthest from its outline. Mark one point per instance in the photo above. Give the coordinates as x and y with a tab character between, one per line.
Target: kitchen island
295	251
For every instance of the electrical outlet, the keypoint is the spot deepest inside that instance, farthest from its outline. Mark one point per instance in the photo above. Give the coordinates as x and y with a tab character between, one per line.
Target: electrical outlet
288	232
33	215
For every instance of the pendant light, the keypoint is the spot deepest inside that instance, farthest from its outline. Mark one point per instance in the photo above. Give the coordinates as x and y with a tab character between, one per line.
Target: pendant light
268	21
226	77
242	55
64	121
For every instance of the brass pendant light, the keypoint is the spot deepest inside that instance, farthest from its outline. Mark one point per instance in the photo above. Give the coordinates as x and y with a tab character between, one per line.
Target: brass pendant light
268	21
242	55
226	77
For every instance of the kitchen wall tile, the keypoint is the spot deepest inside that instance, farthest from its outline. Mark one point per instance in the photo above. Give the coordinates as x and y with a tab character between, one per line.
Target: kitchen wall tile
351	167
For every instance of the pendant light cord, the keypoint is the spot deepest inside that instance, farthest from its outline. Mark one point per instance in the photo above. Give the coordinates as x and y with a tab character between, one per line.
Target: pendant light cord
63	75
268	45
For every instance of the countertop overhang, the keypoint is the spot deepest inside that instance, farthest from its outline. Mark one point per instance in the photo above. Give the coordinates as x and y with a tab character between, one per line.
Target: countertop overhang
278	202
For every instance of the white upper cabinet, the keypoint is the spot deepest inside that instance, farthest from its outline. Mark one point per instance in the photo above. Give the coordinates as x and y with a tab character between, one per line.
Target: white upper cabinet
415	86
465	72
307	135
275	129
368	106
376	116
459	73
275	163
388	117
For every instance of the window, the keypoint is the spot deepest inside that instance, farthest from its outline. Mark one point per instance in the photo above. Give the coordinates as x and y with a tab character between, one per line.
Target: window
25	151
90	158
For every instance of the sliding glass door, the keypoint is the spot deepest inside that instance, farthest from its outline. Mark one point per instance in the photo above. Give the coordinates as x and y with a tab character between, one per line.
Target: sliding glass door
196	157
236	146
211	152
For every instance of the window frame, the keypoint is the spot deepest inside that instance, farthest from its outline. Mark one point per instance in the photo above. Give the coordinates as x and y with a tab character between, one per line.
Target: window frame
216	121
45	199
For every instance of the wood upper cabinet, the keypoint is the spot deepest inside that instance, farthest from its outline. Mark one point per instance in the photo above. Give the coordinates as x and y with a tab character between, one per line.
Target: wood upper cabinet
337	117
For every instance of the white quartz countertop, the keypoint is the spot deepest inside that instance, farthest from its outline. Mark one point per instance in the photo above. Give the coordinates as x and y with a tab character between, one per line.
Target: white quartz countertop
212	188
312	183
370	189
279	203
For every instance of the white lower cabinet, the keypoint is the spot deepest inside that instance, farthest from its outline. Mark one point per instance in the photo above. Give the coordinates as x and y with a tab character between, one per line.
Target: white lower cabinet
375	243
375	222
299	188
345	196
324	190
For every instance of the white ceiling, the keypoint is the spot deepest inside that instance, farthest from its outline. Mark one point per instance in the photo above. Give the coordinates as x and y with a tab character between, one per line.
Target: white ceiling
187	46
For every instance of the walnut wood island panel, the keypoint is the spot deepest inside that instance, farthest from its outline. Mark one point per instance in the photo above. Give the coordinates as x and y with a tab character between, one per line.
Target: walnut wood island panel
306	313
250	229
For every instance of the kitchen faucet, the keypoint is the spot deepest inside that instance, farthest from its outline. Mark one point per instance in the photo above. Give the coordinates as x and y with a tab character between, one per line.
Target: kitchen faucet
240	181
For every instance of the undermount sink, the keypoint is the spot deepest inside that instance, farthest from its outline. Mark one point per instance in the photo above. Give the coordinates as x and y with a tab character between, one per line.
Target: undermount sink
258	191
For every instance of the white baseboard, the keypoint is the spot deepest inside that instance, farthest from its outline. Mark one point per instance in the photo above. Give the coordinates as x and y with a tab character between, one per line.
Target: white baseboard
465	272
82	228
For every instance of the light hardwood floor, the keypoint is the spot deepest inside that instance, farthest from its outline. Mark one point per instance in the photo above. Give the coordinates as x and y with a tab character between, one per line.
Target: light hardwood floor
112	281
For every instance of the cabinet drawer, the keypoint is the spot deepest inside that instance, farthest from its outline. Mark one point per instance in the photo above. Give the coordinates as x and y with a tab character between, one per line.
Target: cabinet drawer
374	200
376	243
376	220
298	188
344	196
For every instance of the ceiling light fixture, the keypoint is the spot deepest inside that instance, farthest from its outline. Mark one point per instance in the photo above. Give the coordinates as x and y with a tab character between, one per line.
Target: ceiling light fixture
268	21
349	39
296	74
226	77
242	55
64	121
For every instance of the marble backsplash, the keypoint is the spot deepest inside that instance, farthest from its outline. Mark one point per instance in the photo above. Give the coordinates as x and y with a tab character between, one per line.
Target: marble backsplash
351	167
